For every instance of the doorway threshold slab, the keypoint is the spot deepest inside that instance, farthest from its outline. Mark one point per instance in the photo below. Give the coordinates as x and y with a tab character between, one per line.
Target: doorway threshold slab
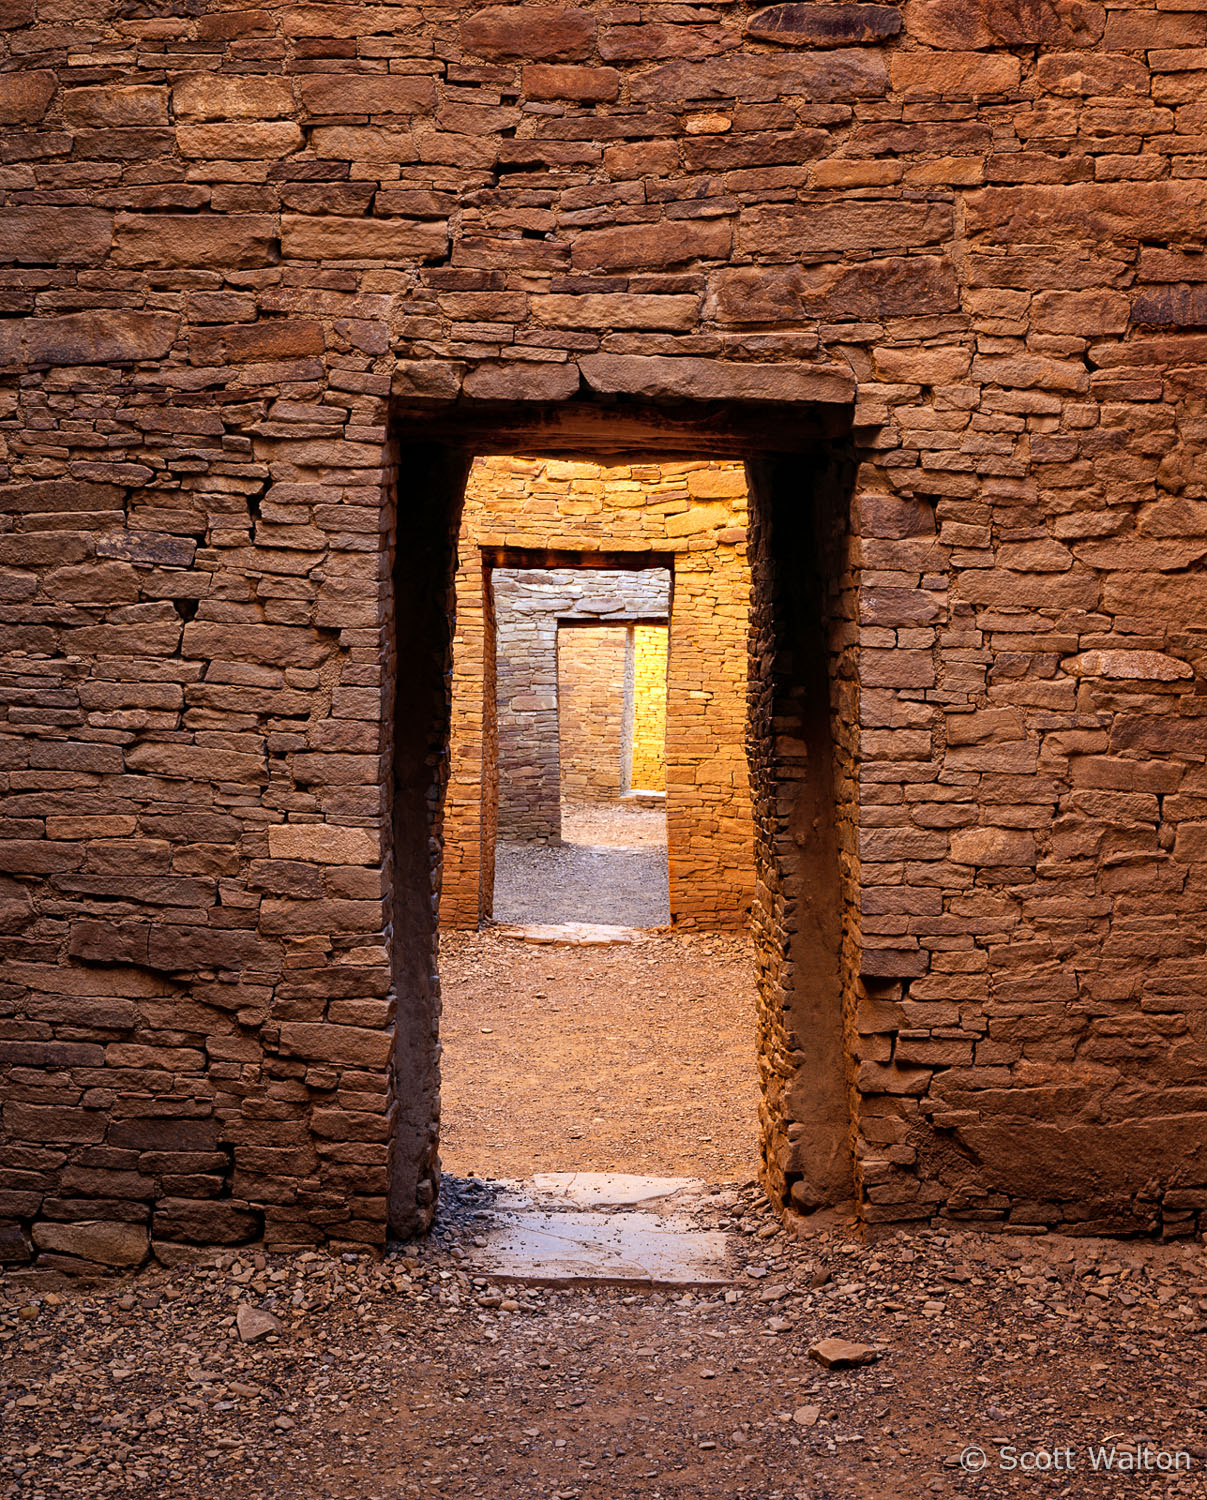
570	1248
613	1189
572	934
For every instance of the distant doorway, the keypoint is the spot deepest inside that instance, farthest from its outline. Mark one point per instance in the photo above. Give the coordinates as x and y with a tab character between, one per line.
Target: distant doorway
580	707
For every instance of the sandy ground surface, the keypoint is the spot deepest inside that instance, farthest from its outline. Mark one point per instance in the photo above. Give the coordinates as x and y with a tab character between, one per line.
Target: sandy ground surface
614	823
1005	1366
636	1058
415	1377
581	883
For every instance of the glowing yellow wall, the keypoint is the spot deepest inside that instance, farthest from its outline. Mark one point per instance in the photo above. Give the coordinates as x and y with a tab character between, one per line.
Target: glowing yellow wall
648	772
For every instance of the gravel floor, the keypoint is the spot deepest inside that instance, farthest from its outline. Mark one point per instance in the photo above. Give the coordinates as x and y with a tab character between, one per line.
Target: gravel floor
581	883
611	868
635	1058
415	1378
614	823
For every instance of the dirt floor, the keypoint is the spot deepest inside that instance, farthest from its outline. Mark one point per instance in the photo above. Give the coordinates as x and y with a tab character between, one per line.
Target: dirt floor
610	868
415	1378
632	1058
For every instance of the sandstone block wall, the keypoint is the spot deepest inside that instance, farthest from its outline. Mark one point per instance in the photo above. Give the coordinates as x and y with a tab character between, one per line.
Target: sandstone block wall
529	606
645	761
687	516
592	662
272	275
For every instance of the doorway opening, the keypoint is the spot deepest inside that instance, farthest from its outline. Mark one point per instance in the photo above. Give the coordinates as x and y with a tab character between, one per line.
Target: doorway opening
599	711
766	878
579	701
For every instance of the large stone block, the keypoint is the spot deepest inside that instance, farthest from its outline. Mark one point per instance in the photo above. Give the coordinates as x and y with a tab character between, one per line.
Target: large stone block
103	337
204	1223
225	241
312	238
107	1244
520	380
668	243
752	78
564	81
172	949
116	104
54	1124
832	228
55	236
903	286
1017	23
1169	307
1073	74
992	846
812	25
361	143
530	32
25	97
600	310
366	94
659	376
195	762
351	1046
270	338
954	75
278	645
240	140
324	843
1093	211
232	96
1074	1161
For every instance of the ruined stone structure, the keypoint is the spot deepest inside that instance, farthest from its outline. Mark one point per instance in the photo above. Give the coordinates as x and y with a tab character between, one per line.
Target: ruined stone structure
272	275
644	756
683	525
612	695
532	609
543	616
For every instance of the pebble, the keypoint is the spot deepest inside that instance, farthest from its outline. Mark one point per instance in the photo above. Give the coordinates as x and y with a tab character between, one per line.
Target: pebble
839	1354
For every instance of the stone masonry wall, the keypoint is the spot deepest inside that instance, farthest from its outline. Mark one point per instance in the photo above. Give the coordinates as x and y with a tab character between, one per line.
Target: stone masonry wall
591	663
255	259
529	603
694	515
647	740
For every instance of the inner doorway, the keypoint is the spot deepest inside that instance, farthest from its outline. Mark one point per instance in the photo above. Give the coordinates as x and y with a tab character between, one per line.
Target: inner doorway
580	705
603	1014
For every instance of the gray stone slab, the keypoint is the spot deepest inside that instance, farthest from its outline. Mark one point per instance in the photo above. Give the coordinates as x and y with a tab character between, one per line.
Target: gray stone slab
623	1248
571	934
613	1189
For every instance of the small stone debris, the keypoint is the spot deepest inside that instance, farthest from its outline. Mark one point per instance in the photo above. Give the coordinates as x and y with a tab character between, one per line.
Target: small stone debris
255	1323
166	1397
838	1354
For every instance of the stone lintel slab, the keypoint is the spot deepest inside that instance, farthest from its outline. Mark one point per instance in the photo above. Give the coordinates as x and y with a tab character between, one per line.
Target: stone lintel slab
662	376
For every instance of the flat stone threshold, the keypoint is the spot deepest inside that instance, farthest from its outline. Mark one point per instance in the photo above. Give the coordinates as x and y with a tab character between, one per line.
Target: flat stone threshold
584	1228
573	934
